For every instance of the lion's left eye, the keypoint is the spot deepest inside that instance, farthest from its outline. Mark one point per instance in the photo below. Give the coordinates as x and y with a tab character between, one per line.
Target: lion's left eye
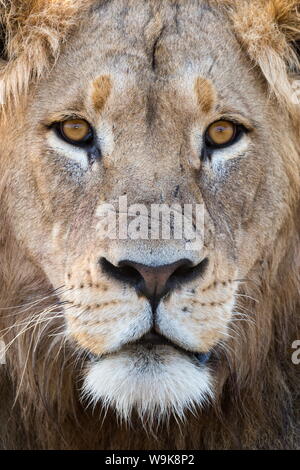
75	131
221	134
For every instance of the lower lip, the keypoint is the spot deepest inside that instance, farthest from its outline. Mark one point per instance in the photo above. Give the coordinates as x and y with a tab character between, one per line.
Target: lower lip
201	358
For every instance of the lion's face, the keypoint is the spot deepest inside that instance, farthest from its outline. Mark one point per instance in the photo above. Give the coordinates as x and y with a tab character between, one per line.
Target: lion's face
129	110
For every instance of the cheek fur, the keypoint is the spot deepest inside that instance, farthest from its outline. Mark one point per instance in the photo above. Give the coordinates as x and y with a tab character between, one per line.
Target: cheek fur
71	152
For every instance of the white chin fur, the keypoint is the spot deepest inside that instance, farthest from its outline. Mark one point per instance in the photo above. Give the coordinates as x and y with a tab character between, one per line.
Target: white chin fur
156	383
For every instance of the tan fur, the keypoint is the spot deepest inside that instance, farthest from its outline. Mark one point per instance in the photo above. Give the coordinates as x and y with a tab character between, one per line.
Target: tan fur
101	92
57	306
205	94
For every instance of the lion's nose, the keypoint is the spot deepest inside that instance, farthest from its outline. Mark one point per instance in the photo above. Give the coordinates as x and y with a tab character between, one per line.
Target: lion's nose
153	281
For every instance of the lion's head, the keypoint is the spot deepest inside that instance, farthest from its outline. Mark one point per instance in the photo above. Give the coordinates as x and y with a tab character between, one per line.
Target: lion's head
122	106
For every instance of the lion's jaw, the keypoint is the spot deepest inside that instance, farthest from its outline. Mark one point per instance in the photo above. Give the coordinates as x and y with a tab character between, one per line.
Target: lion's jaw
151	129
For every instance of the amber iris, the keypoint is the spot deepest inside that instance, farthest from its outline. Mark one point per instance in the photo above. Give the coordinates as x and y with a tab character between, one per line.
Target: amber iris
221	133
76	130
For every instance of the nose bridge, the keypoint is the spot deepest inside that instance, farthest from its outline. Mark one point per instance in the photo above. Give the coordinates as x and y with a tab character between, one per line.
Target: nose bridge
155	175
151	252
152	156
155	163
170	178
161	181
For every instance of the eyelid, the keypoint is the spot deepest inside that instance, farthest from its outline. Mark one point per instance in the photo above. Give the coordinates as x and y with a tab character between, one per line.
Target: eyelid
238	119
56	118
239	125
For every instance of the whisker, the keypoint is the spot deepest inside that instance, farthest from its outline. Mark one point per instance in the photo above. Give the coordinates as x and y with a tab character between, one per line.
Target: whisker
246	296
34	302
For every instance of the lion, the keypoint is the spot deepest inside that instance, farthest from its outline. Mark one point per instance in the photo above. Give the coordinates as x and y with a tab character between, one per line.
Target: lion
118	342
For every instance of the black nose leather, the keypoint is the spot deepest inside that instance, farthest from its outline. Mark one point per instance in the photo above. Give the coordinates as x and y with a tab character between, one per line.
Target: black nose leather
155	280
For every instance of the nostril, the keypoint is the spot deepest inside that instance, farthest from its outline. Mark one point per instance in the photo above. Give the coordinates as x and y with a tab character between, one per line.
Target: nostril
123	272
187	272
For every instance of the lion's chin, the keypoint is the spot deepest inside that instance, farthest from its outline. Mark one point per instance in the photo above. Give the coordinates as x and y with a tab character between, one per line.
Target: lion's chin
155	383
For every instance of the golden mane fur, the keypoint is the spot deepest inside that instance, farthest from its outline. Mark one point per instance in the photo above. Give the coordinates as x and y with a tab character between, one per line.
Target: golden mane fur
257	403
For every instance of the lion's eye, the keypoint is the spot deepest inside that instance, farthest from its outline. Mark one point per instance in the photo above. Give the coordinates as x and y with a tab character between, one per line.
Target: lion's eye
221	134
76	131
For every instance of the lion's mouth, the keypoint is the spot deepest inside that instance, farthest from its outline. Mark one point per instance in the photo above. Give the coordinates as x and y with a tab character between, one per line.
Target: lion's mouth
152	340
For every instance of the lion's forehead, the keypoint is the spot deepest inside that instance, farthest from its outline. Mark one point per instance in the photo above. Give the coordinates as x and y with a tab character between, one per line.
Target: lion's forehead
144	45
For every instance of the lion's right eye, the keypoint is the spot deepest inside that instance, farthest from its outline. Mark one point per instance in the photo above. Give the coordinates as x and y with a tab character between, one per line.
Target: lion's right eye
221	134
75	131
